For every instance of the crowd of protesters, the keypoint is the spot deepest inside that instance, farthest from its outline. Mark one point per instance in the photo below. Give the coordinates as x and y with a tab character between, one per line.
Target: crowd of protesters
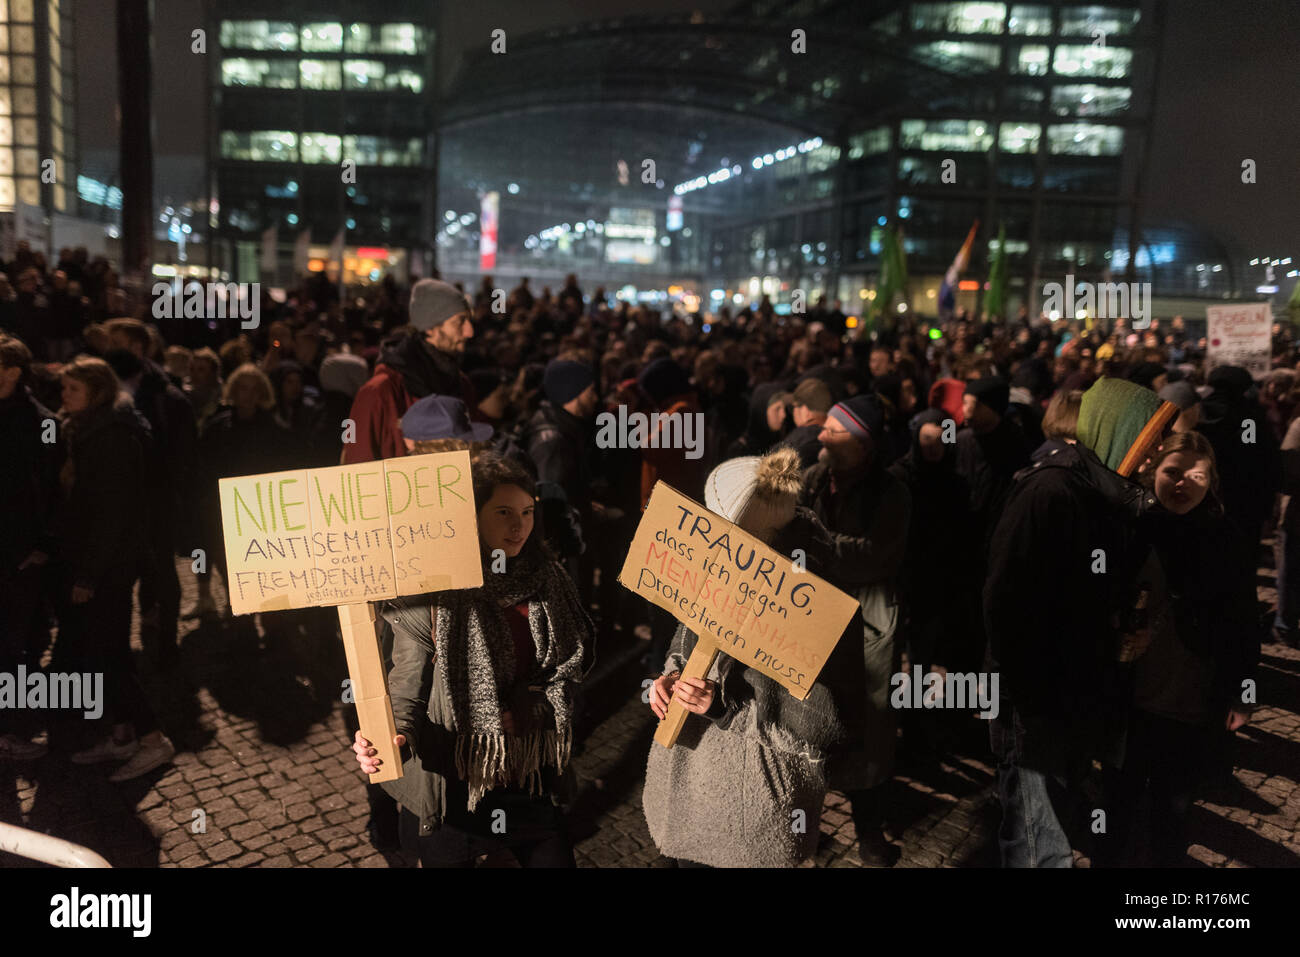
1075	507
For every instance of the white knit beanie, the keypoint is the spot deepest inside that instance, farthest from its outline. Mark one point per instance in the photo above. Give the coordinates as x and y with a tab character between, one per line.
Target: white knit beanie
758	494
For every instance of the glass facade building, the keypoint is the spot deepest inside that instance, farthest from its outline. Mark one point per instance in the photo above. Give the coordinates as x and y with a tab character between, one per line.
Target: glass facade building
38	105
1040	126
323	120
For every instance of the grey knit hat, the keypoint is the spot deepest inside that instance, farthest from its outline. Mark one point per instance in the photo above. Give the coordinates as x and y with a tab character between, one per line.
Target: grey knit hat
433	302
1181	394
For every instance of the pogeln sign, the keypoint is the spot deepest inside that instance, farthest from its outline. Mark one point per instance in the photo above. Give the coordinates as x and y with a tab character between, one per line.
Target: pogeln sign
735	592
350	533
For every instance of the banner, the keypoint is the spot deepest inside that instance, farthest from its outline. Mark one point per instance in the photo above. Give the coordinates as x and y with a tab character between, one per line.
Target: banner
487	221
724	584
1239	335
350	533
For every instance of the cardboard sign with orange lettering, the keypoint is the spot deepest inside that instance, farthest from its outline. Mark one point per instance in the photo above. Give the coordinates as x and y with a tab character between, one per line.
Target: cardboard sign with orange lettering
749	601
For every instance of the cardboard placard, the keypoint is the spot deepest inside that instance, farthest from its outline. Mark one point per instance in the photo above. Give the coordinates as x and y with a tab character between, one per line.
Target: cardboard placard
350	533
724	584
1239	335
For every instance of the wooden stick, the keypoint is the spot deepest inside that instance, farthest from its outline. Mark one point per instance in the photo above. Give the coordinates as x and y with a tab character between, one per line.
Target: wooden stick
1147	439
697	666
370	687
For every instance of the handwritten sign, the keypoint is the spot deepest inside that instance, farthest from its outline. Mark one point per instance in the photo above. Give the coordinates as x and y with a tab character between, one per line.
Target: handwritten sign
1239	335
727	586
350	533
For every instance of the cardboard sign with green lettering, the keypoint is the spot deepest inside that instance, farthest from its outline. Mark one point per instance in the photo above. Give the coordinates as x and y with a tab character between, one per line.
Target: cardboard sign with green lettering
740	596
350	533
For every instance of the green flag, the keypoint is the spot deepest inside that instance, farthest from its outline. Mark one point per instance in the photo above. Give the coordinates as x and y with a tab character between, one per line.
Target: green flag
893	274
994	303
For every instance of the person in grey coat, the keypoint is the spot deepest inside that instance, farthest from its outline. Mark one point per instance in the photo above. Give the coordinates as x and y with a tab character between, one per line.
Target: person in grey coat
744	784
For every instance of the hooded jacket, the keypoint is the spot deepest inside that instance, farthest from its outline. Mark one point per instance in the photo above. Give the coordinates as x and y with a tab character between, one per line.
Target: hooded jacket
1063	565
408	369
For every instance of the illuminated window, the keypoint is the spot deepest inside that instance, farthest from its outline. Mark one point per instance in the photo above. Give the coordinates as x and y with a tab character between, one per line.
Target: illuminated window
28	164
363	74
321	148
25	132
403	79
56	138
60	198
4	38
971	136
1085	139
269	74
322	37
260	145
959	17
383	150
1031	61
1087	99
24	70
1019	137
29	192
869	143
1110	62
22	39
6	161
21	11
1030	21
7	194
970	55
407	38
1085	21
320	74
258	35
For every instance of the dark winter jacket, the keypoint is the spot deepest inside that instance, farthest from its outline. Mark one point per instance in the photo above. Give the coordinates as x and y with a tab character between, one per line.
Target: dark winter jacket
101	525
28	483
1062	568
1246	452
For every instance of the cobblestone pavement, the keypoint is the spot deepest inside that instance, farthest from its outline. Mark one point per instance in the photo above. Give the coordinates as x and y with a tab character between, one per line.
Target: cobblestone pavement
264	776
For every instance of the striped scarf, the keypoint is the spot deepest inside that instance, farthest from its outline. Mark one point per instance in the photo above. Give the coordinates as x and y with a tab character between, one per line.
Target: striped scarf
476	678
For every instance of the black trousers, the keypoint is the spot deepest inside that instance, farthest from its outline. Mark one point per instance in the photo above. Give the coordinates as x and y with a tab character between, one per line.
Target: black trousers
96	637
531	828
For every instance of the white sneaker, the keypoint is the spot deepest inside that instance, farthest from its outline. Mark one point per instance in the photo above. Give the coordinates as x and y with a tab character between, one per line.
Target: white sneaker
15	748
106	750
148	757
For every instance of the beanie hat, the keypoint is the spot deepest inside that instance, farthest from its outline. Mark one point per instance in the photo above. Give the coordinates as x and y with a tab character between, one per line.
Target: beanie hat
663	379
991	391
442	417
1181	393
1112	415
814	394
565	380
946	394
344	372
1232	381
433	302
1146	373
862	415
757	493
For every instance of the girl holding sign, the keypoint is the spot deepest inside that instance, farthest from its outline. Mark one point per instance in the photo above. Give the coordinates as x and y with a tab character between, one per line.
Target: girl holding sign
744	786
482	687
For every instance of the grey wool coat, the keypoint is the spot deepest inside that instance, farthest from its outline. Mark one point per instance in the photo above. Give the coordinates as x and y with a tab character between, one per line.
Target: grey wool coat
744	784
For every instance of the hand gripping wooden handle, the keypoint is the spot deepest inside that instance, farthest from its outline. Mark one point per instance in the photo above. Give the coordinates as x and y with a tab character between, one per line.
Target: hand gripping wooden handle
697	666
370	687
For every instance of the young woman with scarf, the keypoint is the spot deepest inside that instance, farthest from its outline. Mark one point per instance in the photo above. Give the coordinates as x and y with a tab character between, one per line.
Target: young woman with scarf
482	686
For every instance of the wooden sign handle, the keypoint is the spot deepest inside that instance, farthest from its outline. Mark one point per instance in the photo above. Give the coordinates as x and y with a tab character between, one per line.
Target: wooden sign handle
370	687
697	666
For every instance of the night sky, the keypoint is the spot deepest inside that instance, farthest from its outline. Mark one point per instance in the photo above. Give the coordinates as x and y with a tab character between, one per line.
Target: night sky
1228	91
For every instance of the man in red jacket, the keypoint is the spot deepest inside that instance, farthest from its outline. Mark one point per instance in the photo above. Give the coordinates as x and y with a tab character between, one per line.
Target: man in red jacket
424	360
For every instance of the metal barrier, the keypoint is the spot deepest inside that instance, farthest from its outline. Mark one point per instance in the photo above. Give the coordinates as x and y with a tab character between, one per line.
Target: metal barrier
47	849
